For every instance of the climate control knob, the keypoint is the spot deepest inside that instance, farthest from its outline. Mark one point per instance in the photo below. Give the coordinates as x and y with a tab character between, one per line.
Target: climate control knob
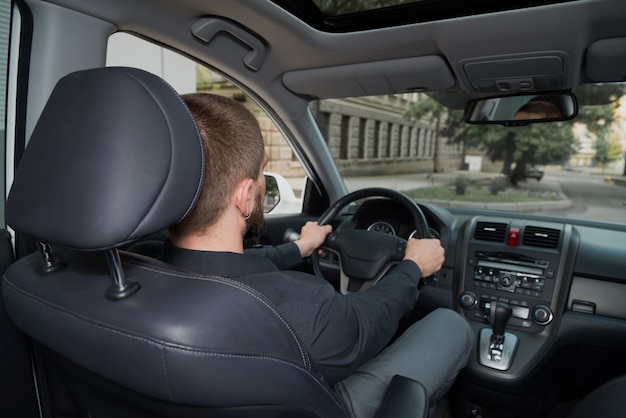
542	315
468	300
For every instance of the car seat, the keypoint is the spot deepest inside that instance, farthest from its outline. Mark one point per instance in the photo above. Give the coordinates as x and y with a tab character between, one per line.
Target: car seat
115	157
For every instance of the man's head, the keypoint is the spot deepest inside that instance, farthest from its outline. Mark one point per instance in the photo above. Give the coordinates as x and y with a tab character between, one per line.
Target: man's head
537	109
234	156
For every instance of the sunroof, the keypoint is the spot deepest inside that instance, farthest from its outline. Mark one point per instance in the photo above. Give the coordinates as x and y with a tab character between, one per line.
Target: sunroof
358	15
338	8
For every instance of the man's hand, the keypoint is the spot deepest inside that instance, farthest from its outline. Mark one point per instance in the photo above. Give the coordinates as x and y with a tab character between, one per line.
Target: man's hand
312	236
427	253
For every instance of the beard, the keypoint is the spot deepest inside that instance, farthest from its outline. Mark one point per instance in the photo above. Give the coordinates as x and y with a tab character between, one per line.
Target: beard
256	224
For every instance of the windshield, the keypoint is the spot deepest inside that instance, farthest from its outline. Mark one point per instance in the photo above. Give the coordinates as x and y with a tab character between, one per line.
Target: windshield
421	146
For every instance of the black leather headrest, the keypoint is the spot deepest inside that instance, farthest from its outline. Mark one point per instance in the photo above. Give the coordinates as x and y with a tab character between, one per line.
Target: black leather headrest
115	156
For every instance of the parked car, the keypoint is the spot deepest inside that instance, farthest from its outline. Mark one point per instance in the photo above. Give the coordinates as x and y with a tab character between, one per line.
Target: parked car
533	172
365	93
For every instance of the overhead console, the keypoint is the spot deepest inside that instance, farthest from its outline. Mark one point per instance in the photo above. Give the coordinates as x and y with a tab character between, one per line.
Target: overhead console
517	72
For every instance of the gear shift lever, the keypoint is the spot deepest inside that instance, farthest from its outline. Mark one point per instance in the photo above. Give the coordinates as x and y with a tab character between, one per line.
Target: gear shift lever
499	315
496	347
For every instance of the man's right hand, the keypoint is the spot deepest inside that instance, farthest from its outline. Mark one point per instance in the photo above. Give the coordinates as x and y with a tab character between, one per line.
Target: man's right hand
427	253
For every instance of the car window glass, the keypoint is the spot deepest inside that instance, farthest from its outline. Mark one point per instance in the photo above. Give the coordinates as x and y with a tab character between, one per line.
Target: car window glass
415	144
285	175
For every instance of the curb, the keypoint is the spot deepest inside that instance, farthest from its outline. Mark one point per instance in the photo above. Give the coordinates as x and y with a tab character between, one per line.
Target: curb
616	181
517	207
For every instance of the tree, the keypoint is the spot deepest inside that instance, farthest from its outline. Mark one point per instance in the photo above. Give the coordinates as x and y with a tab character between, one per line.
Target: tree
608	149
519	146
600	118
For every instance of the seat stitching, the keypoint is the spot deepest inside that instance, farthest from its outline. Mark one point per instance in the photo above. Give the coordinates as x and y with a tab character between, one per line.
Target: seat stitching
165	372
237	285
164	346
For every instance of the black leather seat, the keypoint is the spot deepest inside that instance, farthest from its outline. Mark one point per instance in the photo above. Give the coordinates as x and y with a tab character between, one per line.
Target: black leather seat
607	401
116	157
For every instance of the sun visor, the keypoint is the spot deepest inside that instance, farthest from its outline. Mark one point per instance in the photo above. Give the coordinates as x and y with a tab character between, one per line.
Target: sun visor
605	60
427	73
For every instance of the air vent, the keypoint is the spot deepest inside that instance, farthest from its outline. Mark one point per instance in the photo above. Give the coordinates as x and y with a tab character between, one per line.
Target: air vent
541	237
490	231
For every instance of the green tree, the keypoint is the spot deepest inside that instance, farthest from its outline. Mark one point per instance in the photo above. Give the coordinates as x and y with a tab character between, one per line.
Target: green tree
608	149
519	146
597	105
599	117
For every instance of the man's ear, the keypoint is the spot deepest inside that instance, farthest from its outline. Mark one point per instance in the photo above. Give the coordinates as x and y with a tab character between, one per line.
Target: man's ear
242	196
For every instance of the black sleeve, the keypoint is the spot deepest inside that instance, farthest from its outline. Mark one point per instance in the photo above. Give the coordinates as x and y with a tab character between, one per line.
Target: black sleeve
349	330
284	256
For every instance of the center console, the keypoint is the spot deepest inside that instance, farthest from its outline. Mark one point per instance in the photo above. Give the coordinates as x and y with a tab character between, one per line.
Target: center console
511	266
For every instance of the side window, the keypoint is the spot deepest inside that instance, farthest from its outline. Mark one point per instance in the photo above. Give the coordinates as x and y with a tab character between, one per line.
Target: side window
284	175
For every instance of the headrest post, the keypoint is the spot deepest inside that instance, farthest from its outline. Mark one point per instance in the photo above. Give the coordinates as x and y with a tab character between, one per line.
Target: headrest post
121	288
50	264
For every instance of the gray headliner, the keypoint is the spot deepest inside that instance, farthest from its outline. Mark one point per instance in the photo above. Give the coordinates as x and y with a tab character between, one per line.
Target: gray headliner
568	27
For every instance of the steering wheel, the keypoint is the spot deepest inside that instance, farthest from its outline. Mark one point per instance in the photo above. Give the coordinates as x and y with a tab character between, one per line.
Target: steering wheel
365	255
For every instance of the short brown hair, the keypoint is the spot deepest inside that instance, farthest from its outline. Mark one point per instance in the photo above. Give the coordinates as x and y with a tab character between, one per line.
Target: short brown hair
233	151
542	108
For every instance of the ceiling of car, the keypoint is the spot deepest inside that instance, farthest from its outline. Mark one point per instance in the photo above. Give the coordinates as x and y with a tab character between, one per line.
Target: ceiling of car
548	47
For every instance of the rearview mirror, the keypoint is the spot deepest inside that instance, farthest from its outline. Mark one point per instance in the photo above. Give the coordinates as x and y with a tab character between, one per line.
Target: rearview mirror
522	109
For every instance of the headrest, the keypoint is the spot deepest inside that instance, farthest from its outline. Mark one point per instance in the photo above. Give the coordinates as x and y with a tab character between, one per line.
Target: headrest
115	156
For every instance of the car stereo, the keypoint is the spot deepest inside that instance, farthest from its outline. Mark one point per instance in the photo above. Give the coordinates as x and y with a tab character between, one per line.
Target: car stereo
526	283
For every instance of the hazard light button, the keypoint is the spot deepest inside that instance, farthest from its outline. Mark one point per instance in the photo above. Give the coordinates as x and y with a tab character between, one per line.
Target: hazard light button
513	237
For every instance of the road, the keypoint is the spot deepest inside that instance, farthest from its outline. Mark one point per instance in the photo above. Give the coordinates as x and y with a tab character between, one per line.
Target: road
592	198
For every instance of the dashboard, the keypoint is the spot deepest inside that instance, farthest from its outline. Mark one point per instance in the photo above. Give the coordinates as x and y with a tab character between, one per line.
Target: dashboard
560	277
